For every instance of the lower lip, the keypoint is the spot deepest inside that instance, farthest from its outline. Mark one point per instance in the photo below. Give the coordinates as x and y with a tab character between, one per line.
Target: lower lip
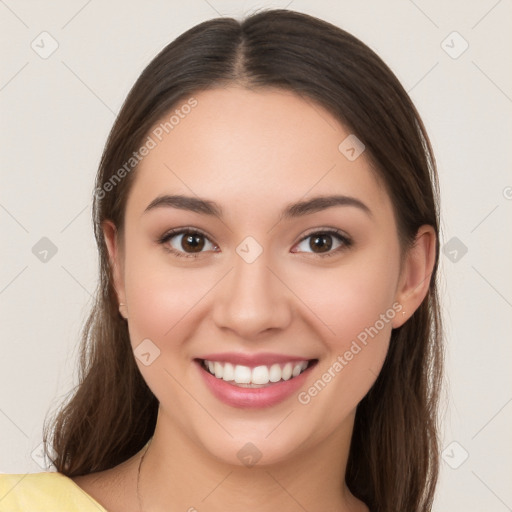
252	398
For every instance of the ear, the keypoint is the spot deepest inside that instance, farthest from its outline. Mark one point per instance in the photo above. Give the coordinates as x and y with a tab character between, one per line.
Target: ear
414	281
112	242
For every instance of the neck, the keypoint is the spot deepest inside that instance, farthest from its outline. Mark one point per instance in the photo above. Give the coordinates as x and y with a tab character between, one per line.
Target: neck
177	474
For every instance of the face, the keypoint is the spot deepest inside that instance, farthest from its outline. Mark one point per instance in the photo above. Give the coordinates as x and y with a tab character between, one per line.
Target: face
258	274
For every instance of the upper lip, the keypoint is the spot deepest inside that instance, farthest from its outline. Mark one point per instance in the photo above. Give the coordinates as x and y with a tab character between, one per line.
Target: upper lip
253	360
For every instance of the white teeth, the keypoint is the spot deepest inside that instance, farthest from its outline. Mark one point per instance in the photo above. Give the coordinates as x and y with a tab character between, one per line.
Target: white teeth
228	372
287	371
275	373
296	370
259	375
242	374
219	369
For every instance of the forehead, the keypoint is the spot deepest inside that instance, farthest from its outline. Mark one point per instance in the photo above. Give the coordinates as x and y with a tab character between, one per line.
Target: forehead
251	149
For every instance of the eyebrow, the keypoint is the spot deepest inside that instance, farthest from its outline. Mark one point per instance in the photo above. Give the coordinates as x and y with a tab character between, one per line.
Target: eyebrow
298	209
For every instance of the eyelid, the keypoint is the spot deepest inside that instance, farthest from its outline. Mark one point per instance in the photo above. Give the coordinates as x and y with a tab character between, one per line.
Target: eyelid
178	231
326	230
344	238
171	233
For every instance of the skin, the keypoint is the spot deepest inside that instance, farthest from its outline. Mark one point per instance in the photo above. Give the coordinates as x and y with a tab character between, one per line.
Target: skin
254	153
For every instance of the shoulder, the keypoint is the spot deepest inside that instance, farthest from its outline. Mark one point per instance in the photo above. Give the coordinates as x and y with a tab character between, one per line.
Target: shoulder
44	492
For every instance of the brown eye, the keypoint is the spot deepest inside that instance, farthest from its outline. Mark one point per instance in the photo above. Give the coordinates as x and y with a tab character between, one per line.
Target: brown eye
320	243
187	242
324	243
192	242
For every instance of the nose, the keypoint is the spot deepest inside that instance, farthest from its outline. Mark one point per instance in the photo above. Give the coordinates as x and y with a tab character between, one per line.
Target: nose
252	300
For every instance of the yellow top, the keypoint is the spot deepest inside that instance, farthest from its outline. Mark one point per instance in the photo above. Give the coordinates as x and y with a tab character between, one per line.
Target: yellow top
44	492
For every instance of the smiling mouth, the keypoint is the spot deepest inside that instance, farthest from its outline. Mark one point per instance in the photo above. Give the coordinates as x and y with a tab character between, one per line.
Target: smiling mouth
258	376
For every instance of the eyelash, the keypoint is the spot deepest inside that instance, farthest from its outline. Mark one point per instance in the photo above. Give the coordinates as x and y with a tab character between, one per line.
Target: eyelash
180	231
342	237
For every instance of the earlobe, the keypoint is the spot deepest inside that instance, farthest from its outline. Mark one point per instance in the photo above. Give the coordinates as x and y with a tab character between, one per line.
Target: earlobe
111	238
416	274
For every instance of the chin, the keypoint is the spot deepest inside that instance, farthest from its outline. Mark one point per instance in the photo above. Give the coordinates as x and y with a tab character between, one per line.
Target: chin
252	451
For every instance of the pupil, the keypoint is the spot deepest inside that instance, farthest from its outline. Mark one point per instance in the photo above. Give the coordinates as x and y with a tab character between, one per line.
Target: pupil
194	242
322	242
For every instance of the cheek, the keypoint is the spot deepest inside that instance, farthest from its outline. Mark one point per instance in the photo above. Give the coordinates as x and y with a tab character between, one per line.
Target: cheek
158	295
352	296
356	303
164	305
157	303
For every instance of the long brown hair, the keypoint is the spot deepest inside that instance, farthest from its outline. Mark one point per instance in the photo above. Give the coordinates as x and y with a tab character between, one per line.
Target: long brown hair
393	461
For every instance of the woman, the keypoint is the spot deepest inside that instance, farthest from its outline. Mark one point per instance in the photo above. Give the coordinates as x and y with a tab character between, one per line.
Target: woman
267	330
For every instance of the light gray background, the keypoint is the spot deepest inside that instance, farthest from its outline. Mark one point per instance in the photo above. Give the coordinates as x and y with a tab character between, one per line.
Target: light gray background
56	114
